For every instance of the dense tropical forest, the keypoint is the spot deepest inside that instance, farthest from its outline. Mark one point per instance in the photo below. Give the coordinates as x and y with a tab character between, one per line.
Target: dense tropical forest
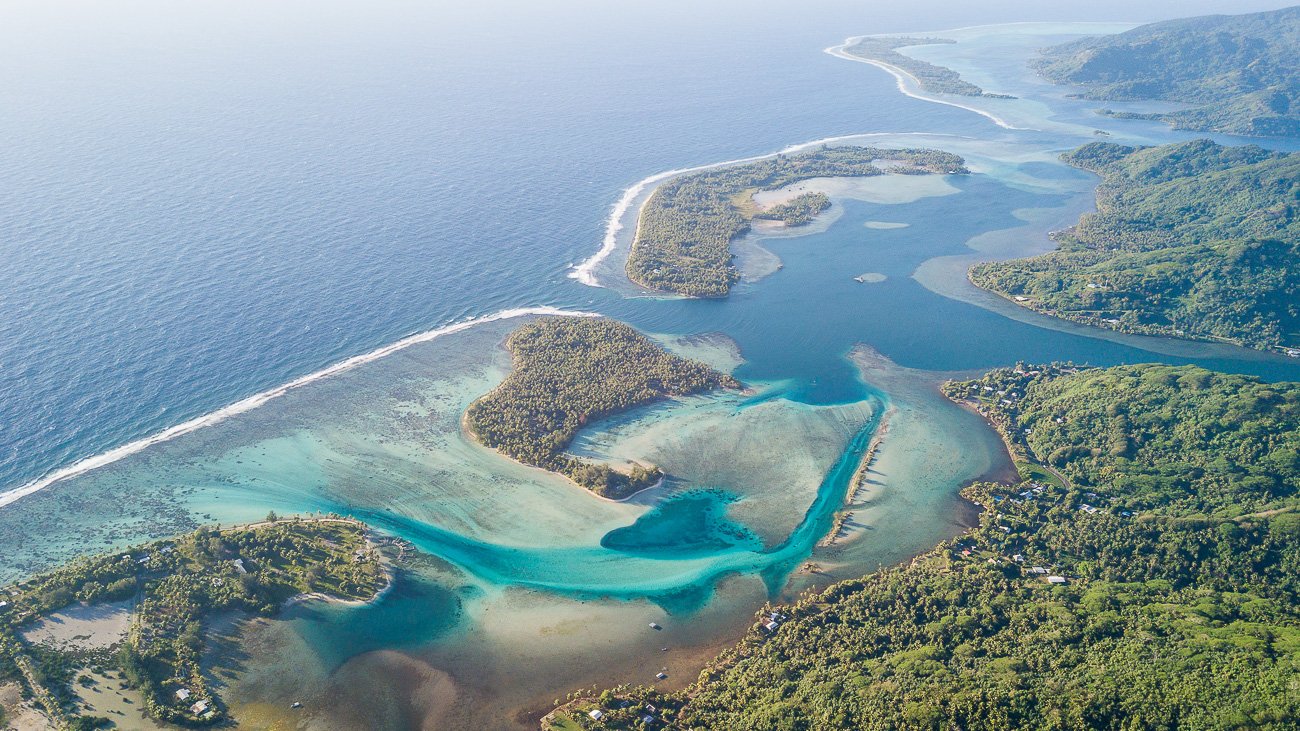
569	372
1238	72
1145	574
932	78
175	585
683	239
798	210
1193	239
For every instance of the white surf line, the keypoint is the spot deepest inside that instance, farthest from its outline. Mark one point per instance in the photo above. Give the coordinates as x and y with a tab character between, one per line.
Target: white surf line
585	271
902	76
256	400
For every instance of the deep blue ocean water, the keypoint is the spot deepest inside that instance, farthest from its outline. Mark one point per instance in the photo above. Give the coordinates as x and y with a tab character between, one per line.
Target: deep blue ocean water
200	201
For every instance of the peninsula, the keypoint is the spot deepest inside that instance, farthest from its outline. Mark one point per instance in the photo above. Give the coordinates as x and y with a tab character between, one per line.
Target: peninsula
174	586
932	78
1193	240
1237	72
685	230
1141	575
569	372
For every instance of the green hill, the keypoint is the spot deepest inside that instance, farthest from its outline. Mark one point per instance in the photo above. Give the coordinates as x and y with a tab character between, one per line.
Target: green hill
1239	73
1155	586
1195	240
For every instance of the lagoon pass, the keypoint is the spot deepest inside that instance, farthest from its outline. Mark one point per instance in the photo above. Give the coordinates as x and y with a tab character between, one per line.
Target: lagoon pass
516	592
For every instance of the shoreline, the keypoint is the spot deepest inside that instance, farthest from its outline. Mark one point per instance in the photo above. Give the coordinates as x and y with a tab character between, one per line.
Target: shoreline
469	433
249	403
584	271
857	482
901	76
1150	332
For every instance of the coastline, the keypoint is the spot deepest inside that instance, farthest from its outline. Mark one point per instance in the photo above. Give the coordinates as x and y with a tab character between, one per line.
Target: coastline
902	77
1145	331
585	271
857	482
252	402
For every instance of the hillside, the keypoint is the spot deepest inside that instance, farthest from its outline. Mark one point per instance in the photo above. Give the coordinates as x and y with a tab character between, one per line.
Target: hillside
1153	584
1193	240
1239	73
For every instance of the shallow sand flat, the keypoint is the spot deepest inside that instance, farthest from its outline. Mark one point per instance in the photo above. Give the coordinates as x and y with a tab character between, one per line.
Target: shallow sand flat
83	627
19	714
524	648
123	706
726	443
884	225
386	435
930	448
715	349
884	189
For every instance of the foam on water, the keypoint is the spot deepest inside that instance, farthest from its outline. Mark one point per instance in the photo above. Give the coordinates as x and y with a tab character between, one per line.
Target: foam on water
256	400
525	584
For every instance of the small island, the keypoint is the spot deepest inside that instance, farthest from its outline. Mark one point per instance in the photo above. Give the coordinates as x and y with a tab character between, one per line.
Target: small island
1140	574
683	238
171	589
1192	240
1238	72
569	372
932	78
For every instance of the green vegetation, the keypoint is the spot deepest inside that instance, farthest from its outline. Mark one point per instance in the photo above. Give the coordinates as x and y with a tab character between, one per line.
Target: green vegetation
797	211
1160	589
178	584
569	372
1239	71
684	235
936	79
1193	240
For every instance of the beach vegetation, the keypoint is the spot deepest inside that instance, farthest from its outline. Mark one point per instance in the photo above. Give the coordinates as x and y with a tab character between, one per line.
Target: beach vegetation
932	78
569	372
177	585
1157	587
1193	240
683	238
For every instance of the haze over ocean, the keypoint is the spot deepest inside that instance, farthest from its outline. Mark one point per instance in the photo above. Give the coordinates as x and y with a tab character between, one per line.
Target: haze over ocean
206	201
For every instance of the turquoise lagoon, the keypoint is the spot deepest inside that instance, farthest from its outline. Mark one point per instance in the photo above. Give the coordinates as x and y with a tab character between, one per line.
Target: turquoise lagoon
525	586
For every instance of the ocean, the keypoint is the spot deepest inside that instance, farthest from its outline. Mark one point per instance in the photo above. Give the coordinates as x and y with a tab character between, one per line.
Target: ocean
204	202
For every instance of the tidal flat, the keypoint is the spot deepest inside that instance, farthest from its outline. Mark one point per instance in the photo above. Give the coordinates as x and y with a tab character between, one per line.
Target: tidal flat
524	586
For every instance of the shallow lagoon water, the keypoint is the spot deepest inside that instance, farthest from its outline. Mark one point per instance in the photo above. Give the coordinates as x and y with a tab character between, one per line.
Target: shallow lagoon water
527	586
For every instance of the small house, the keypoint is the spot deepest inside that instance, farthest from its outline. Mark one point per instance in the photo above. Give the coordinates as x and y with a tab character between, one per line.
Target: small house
596	714
771	626
199	707
182	694
1056	579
